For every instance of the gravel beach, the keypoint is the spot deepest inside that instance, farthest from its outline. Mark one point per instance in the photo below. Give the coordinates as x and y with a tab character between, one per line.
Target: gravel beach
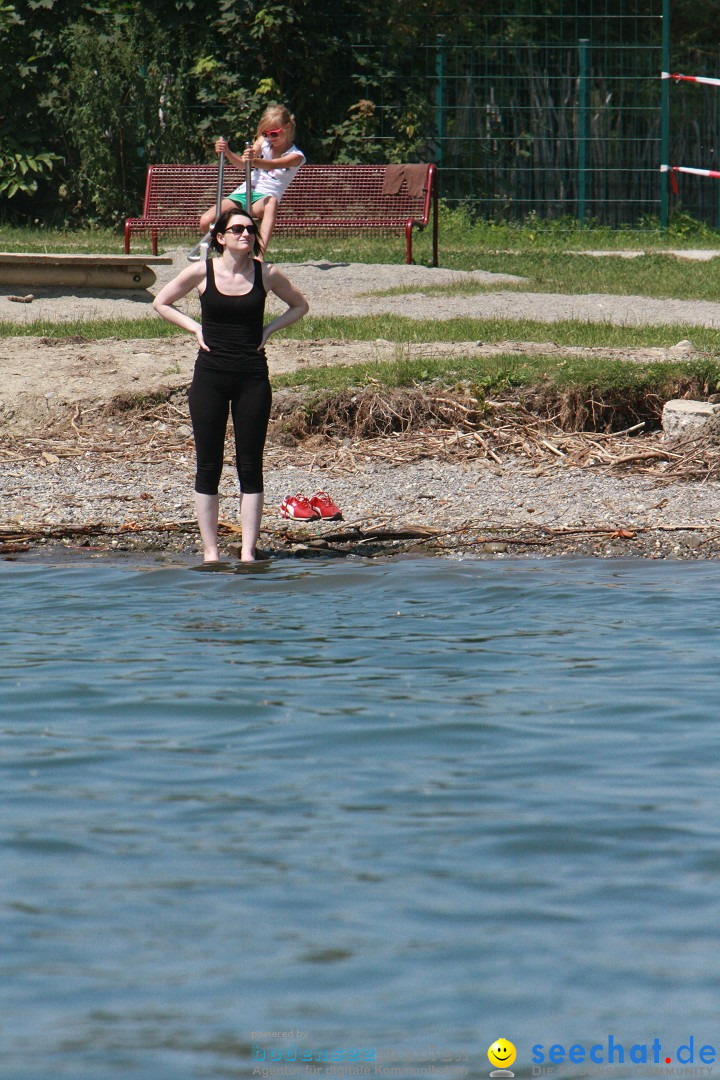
76	474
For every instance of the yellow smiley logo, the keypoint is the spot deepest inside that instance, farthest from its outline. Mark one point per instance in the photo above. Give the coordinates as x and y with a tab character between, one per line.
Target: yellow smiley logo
502	1053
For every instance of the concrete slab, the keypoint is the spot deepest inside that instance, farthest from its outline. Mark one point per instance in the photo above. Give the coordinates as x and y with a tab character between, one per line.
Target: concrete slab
36	270
682	416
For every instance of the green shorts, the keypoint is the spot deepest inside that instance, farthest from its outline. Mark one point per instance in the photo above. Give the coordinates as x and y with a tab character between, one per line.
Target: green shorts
241	198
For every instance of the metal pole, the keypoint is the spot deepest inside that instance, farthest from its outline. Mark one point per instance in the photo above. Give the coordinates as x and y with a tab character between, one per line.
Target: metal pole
221	173
582	127
665	115
717	219
440	96
248	184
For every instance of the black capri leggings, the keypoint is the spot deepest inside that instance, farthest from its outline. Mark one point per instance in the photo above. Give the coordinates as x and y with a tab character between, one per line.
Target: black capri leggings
248	396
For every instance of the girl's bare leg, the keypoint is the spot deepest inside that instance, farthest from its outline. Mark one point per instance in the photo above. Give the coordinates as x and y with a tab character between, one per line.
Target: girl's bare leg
251	508
207	508
267	212
208	218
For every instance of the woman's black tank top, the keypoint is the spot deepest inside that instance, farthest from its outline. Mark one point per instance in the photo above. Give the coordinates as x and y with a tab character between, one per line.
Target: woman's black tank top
232	325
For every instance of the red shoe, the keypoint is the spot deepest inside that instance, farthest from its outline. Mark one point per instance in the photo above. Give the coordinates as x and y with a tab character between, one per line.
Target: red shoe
297	506
325	507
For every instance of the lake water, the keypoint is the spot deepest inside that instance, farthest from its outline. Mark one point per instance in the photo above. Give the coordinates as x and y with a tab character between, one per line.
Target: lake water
394	808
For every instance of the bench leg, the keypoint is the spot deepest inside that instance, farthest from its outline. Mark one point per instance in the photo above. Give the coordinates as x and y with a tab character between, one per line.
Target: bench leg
127	239
435	220
408	241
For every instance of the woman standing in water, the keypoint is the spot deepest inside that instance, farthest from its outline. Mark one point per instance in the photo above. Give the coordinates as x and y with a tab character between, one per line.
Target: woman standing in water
231	372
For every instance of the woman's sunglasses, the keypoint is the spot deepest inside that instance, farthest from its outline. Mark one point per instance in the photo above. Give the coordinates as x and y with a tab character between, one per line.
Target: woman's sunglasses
238	230
274	134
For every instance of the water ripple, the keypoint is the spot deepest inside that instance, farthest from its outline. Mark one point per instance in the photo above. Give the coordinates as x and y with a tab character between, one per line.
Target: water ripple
387	802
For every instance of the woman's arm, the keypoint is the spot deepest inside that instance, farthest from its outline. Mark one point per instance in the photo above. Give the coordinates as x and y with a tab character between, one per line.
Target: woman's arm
297	305
187	280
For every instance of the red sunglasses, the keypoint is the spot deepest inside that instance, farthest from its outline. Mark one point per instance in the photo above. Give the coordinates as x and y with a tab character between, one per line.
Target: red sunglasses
274	134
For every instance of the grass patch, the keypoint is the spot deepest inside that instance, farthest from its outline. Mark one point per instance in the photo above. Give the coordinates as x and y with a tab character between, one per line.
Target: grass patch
464	241
662	276
505	372
91	329
91	241
400	330
100	241
459	229
566	332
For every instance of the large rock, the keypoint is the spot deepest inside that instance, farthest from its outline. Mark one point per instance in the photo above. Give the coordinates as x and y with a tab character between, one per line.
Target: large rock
682	418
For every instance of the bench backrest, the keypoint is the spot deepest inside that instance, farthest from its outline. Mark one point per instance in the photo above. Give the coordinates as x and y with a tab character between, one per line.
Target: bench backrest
349	194
185	190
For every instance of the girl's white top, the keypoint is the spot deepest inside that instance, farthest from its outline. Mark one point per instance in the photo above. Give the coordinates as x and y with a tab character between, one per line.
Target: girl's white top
272	181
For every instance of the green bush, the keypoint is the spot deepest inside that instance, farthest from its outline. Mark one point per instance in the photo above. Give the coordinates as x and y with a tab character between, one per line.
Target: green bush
119	108
21	170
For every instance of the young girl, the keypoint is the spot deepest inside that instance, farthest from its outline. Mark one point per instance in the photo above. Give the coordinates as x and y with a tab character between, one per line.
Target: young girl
275	160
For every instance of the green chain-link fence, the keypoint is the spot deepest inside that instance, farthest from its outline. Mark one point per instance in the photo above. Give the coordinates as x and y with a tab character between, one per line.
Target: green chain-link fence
555	108
555	112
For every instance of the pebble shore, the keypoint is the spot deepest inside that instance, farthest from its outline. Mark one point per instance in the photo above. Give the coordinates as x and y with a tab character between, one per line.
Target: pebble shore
447	508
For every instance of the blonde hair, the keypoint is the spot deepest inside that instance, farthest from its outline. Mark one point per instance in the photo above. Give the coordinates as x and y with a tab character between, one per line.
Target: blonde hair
276	114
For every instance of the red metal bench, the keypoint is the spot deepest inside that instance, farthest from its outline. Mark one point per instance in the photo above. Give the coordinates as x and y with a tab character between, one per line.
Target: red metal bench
332	200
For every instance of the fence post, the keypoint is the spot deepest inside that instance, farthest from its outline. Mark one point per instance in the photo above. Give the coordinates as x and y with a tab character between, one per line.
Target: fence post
717	219
665	115
440	96
582	127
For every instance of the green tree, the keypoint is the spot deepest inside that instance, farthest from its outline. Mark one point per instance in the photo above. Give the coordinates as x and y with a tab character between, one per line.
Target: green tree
27	154
119	102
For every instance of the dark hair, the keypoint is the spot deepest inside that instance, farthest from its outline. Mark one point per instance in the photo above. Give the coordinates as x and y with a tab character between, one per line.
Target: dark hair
222	223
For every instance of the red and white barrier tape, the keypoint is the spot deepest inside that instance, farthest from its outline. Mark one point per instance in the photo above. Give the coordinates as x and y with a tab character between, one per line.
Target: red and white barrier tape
687	169
689	78
672	169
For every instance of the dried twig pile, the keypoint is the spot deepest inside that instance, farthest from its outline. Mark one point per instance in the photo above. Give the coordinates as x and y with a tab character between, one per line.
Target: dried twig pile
403	426
396	426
